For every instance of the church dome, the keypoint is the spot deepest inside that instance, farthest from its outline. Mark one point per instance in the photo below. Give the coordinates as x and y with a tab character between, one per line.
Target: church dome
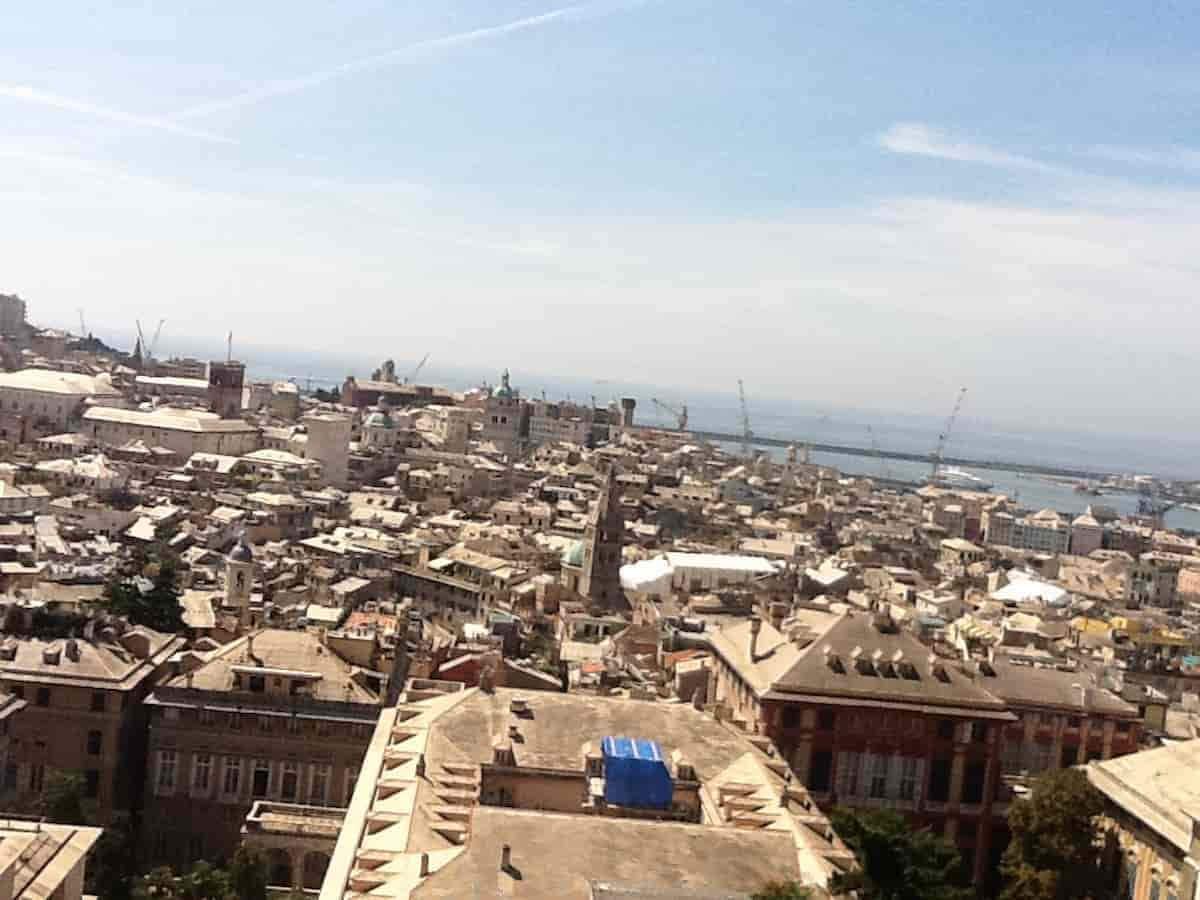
241	552
573	555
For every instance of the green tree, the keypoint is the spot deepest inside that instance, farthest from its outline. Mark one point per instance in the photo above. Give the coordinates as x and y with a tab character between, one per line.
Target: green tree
62	800
204	882
1056	851
112	863
781	890
248	874
145	589
896	861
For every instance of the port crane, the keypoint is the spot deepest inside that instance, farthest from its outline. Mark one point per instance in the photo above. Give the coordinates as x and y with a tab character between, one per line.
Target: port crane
747	434
154	340
412	376
944	436
680	413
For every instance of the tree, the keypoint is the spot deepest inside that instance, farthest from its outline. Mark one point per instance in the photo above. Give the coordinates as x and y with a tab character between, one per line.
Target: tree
111	866
62	800
248	874
204	882
895	861
781	890
1056	851
145	589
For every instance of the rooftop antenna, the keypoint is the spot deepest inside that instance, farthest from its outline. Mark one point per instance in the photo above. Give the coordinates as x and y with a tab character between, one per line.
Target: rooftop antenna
229	348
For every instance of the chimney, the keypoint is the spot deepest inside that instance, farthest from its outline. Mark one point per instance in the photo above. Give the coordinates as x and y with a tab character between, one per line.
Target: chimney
73	650
424	865
506	858
755	628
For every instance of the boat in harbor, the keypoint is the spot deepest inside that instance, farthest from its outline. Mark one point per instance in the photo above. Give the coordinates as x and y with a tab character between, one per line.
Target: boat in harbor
960	479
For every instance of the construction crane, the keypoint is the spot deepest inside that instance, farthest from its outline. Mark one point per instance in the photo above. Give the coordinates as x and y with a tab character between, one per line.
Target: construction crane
83	332
945	434
154	340
680	413
747	434
141	338
412	376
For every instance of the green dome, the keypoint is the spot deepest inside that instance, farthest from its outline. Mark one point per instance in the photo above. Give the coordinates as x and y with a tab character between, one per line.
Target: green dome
378	420
573	555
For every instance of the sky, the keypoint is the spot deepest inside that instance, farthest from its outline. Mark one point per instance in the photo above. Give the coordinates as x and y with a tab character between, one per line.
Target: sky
846	204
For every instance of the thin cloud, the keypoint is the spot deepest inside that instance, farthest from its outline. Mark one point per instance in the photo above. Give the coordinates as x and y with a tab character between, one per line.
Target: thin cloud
1162	157
27	94
407	54
918	139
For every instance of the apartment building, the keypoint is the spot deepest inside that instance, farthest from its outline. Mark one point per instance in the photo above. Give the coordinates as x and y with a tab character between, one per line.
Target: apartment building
273	716
83	711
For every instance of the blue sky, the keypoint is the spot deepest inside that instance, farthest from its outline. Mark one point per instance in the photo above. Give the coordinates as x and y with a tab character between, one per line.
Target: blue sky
852	204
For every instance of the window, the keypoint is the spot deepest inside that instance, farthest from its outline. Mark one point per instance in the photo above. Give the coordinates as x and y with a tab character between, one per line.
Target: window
43	696
166	772
201	773
258	684
264	723
235	721
979	732
945	730
351	781
18	691
791	717
939	781
826	719
1123	727
10	776
1010	757
98	701
910	777
260	781
1040	754
848	774
973	783
819	770
318	791
95	740
1073	722
290	786
37	777
232	783
91	784
879	775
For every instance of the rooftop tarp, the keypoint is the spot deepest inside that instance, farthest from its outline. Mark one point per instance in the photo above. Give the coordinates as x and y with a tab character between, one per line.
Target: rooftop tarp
635	773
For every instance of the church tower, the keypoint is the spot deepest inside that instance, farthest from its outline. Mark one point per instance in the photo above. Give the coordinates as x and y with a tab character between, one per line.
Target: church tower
239	580
600	579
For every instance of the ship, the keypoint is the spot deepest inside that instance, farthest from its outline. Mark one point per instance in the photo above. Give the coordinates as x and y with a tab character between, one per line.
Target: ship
960	479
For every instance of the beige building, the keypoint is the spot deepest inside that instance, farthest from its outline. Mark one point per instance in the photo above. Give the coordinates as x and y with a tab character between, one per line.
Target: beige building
41	861
329	444
12	315
482	789
273	716
185	432
83	711
37	402
1153	811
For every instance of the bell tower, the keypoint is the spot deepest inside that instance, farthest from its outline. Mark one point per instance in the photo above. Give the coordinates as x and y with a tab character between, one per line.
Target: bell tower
239	580
600	579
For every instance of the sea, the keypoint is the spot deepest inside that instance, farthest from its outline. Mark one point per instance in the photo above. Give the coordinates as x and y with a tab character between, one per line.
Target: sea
972	436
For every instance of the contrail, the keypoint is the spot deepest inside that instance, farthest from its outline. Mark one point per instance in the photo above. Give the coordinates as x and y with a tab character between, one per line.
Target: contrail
42	98
410	53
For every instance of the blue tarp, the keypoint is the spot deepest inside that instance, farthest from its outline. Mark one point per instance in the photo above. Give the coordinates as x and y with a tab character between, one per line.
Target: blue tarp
635	773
